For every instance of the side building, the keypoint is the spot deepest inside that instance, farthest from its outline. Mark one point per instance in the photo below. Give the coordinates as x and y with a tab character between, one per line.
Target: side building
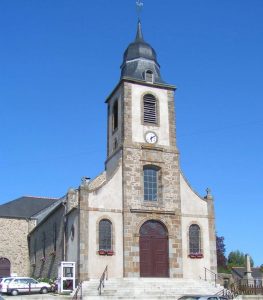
17	219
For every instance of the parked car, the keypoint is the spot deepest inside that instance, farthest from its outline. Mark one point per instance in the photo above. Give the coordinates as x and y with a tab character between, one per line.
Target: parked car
4	283
26	285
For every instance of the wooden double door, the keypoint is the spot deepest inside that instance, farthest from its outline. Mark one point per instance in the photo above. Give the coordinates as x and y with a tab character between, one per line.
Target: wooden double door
154	254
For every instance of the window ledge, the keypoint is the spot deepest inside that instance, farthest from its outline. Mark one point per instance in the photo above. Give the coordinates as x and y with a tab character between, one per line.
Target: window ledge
196	255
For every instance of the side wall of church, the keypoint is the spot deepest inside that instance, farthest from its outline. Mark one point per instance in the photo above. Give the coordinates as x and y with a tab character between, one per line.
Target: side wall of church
13	237
72	246
46	256
195	211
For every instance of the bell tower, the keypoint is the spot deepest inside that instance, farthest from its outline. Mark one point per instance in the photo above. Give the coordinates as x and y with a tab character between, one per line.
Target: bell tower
141	137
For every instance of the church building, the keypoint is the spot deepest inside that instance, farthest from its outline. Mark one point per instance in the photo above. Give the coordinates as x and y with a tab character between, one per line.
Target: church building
140	217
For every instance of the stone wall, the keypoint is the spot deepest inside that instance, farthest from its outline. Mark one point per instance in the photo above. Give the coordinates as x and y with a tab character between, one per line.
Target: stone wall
44	259
13	237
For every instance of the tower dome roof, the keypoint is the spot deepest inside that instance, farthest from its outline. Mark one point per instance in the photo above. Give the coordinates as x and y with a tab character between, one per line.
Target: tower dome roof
139	48
139	58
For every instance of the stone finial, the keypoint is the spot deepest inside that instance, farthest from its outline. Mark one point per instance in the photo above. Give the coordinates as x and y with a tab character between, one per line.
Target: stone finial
71	191
85	181
208	194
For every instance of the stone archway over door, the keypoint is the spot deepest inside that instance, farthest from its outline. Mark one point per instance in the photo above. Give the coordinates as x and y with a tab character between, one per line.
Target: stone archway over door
154	255
5	267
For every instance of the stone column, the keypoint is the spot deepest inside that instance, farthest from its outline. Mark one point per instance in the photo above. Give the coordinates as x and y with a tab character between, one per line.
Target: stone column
212	232
248	279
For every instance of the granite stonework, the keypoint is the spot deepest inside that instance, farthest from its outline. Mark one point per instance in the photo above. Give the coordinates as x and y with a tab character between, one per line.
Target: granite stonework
136	210
13	237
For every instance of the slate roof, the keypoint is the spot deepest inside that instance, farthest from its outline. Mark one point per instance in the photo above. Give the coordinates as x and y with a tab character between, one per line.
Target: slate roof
256	273
25	207
140	57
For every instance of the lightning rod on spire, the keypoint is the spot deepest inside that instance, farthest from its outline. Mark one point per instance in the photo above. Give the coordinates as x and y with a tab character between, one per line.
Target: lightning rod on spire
139	5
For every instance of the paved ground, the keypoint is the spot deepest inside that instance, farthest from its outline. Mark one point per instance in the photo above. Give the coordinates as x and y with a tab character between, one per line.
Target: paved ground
36	297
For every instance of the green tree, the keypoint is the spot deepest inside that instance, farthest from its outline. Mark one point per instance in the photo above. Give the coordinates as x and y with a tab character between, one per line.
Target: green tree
238	259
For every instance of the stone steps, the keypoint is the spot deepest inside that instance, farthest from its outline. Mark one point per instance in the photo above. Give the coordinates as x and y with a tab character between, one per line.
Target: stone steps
147	288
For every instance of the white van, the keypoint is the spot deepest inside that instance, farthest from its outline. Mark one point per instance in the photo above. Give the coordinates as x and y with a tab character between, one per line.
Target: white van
19	285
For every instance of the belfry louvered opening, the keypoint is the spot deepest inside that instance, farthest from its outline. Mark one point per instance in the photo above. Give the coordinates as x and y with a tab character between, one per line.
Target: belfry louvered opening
149	109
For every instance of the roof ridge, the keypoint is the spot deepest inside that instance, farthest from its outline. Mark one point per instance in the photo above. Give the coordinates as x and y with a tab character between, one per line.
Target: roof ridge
40	197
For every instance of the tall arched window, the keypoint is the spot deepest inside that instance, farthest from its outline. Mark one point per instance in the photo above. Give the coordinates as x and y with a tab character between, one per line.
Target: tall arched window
151	182
194	239
105	235
44	244
115	116
149	109
35	251
55	236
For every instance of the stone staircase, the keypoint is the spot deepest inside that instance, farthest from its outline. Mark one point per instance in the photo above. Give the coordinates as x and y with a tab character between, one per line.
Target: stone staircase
147	288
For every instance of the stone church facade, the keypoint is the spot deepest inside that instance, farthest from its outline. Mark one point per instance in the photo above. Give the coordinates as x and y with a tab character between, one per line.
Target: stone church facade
139	217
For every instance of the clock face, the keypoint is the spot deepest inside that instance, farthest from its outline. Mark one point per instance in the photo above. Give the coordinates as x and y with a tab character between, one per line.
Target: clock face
151	137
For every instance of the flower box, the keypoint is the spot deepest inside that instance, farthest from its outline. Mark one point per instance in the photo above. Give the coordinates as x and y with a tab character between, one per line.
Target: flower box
53	253
102	252
110	252
196	255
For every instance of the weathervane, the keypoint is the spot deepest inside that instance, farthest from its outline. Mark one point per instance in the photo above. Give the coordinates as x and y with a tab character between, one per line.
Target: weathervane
139	5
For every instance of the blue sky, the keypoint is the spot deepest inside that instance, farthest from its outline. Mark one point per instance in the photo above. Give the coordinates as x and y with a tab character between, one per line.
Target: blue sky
60	59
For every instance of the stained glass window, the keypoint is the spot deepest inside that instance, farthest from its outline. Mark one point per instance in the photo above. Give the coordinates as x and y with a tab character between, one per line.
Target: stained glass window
194	239
105	233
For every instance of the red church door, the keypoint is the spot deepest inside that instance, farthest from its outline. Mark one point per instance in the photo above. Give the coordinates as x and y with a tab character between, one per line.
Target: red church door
4	267
154	258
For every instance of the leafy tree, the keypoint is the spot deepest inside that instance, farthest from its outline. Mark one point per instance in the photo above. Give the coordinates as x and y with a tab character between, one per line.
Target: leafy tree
238	259
220	251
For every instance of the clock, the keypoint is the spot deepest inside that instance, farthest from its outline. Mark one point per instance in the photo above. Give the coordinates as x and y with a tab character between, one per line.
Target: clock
151	137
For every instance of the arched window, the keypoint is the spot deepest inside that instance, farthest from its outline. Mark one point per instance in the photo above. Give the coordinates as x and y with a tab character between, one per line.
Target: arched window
148	75
151	183
194	239
44	244
115	116
35	252
55	236
105	235
5	267
149	109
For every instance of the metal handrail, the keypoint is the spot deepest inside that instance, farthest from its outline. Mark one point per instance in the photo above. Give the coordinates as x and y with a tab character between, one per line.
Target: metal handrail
226	293
102	279
79	288
212	273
